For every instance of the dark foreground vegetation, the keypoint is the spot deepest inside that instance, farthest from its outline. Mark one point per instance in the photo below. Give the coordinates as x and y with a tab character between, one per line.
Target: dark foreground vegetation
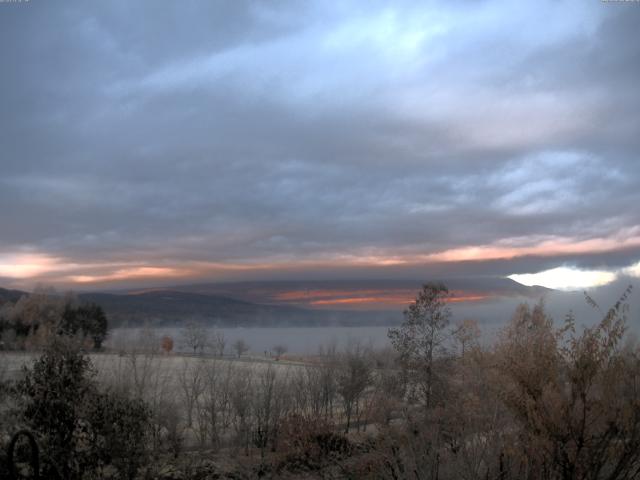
543	401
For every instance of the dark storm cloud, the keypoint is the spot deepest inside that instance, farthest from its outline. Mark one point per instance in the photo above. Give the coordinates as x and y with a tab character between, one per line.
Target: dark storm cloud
198	133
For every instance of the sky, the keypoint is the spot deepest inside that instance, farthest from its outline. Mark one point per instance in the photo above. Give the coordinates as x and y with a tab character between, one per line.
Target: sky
155	143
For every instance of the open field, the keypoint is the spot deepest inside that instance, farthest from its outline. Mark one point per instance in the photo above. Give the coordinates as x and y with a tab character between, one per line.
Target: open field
108	363
188	387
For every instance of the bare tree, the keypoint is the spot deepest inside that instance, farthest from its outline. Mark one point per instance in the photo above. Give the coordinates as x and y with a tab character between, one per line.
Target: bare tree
353	378
311	380
422	337
214	406
241	395
195	337
267	406
299	390
327	378
240	347
466	334
191	383
388	394
218	343
141	358
279	350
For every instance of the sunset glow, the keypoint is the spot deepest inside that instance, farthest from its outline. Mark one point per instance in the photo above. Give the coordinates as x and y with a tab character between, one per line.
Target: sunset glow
389	300
140	273
25	266
546	248
304	142
366	298
38	267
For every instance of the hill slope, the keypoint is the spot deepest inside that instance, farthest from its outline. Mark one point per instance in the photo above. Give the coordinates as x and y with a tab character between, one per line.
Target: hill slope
171	307
10	295
306	303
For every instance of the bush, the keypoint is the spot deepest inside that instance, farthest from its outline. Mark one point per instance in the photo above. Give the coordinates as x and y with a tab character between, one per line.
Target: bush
310	443
117	432
82	432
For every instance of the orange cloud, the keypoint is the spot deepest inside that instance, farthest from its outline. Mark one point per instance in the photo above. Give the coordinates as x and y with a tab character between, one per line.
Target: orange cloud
27	265
34	266
129	274
548	247
386	300
308	295
366	298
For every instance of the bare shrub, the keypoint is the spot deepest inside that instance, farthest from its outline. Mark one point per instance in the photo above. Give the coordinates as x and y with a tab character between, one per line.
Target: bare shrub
309	443
574	396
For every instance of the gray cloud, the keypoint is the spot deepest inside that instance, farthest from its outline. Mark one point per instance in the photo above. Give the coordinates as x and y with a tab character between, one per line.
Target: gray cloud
212	132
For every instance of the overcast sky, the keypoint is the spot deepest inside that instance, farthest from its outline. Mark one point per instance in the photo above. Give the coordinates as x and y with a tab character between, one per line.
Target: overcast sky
165	141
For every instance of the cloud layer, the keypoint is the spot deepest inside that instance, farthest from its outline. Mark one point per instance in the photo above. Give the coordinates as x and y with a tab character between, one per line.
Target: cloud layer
229	140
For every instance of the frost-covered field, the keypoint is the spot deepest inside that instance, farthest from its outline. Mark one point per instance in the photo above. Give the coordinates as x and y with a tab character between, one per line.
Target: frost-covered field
131	367
193	398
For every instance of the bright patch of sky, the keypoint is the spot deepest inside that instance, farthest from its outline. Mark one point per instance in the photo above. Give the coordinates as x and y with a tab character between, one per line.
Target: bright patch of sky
566	278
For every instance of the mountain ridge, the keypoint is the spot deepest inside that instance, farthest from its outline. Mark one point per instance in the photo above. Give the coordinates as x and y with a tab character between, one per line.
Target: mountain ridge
284	303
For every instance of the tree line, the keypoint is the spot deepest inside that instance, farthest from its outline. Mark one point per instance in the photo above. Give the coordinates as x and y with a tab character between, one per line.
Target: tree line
32	321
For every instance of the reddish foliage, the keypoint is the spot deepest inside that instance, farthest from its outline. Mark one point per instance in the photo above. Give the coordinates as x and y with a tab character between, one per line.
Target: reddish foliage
166	343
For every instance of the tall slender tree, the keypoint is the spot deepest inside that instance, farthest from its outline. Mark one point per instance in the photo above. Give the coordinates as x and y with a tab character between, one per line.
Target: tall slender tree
422	336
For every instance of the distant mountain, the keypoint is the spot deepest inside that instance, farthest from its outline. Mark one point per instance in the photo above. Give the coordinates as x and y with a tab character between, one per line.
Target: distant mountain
168	307
171	307
10	295
391	295
304	303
